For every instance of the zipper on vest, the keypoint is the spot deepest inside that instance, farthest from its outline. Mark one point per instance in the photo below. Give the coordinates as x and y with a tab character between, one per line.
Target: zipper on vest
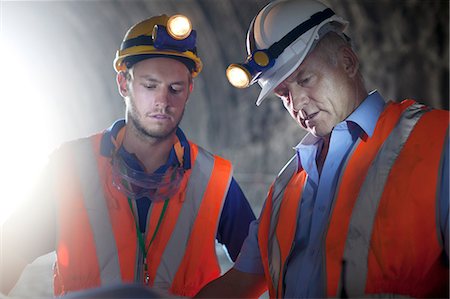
142	274
146	274
139	275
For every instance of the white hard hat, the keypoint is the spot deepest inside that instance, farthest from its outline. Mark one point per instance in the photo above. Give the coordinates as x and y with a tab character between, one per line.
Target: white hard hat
293	27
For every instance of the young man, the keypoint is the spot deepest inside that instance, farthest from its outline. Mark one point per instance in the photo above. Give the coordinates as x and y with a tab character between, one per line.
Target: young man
137	202
362	208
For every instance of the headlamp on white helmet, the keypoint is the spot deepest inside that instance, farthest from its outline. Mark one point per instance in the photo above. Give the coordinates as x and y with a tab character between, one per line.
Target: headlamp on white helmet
261	60
278	40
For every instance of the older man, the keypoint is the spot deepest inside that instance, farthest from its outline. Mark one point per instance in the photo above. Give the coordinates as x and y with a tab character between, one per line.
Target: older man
362	208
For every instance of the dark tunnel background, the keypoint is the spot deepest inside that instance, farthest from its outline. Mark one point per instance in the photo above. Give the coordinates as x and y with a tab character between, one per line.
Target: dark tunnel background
58	81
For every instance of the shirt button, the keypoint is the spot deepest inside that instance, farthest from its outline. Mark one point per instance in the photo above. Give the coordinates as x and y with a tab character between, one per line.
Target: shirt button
322	209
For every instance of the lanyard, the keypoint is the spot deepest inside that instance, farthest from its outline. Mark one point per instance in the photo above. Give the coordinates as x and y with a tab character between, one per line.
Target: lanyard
141	239
179	151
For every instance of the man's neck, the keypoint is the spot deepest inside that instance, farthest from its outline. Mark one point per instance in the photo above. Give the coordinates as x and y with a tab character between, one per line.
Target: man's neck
151	152
360	94
322	155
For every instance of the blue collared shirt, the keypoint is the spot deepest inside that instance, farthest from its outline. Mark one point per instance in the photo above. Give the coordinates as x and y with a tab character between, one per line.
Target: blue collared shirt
236	213
305	273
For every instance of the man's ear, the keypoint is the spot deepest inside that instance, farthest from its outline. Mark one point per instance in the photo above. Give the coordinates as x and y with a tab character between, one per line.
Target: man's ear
350	61
121	80
191	86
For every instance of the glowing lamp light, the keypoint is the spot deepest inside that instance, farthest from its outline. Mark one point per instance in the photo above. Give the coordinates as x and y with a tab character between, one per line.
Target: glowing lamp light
179	27
32	135
238	76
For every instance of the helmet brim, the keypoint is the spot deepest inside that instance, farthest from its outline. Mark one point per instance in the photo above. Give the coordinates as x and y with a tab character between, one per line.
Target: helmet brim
273	79
122	56
132	60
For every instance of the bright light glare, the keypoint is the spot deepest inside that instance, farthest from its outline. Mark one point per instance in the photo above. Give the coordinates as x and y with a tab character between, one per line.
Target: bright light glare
237	76
179	26
26	134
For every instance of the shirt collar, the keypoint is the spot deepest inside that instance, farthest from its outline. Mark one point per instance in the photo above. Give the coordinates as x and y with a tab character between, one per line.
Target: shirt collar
367	114
306	152
365	117
107	148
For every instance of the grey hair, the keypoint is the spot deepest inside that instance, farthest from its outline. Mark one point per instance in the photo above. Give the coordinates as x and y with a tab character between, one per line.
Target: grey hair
330	39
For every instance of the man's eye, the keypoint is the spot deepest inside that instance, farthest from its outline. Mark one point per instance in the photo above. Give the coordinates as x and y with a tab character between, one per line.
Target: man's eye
304	81
176	89
150	86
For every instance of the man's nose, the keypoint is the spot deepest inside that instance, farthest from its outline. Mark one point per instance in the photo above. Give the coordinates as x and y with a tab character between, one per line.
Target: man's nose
299	99
162	98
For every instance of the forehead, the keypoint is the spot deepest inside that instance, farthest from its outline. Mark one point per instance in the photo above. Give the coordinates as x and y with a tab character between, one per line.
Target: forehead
313	62
161	67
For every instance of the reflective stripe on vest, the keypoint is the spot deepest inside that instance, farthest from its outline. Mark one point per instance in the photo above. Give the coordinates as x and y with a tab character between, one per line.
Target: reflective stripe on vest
198	203
282	207
353	235
364	211
181	233
200	264
97	210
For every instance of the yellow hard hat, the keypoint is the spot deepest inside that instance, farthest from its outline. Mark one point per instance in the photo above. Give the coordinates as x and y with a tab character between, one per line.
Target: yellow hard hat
160	36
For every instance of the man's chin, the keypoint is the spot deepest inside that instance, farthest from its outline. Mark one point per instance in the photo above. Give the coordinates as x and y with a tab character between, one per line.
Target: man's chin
319	134
150	129
160	133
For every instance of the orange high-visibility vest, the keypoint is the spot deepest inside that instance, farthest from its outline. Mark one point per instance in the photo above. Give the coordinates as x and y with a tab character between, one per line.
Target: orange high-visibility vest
97	243
383	222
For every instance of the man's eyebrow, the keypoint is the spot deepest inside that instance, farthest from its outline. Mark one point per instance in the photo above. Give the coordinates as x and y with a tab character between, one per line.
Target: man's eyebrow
153	80
295	75
148	78
179	83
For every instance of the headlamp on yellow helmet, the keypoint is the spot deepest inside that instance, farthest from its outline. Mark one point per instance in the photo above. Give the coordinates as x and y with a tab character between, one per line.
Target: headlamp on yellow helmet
179	27
159	37
176	35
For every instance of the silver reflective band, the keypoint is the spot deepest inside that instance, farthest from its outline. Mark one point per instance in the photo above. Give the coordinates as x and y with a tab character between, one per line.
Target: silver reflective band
97	210
195	191
279	188
363	215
